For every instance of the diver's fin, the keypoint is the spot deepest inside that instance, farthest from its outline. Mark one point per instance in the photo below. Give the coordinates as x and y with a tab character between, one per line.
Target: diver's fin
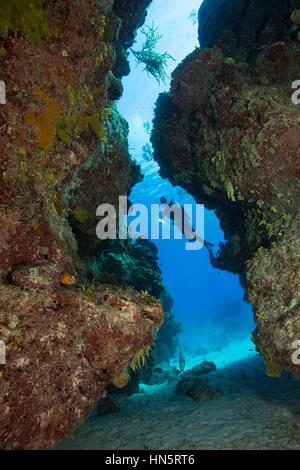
208	245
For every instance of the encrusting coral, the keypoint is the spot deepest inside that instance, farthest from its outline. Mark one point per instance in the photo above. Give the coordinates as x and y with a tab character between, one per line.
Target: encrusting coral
67	279
235	134
62	352
44	123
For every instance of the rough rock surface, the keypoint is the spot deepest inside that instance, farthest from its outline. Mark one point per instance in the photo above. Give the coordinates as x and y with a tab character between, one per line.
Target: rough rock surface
122	262
62	352
273	288
163	375
229	133
193	385
201	369
133	15
63	152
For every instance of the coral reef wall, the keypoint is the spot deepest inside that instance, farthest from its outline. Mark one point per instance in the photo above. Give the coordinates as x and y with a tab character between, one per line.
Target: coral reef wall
63	152
228	132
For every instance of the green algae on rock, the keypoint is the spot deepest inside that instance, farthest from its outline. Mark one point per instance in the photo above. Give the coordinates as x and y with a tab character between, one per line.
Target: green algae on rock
27	17
224	137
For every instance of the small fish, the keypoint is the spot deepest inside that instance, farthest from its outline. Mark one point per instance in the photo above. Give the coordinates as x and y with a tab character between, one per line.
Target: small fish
181	361
67	279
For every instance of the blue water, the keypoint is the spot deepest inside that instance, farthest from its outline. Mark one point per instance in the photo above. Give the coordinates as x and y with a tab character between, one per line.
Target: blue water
208	303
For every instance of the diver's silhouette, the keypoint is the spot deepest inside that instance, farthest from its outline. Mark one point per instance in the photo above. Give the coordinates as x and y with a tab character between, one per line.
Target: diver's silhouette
187	228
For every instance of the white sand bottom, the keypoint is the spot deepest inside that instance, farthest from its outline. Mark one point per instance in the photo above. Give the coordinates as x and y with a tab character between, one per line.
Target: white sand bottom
253	412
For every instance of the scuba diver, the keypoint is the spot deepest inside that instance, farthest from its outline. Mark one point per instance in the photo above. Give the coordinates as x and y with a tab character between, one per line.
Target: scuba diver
186	227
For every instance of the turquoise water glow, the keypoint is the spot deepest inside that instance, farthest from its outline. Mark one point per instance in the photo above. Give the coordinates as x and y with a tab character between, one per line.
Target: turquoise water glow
208	303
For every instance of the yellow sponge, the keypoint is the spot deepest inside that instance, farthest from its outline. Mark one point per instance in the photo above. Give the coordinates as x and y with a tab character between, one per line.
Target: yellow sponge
295	17
122	380
272	368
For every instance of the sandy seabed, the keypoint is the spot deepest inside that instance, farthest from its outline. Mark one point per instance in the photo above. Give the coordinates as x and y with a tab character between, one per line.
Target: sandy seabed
252	412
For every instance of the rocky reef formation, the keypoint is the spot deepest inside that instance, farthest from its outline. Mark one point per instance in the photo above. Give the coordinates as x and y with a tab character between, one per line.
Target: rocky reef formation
62	352
155	367
273	286
228	132
122	262
192	384
63	152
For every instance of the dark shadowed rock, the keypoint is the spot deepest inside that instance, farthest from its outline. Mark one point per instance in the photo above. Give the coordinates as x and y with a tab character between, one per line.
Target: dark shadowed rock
201	369
111	404
240	27
193	385
133	15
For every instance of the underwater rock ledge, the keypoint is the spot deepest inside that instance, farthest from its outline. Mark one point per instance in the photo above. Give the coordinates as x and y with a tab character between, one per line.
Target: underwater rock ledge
62	352
229	133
